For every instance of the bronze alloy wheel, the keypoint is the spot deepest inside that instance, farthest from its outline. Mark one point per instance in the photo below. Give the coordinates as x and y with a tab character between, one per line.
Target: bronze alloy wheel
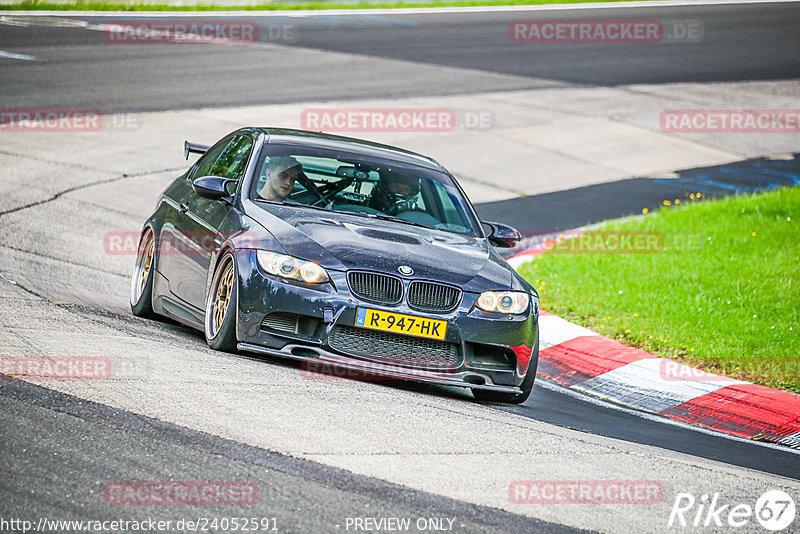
219	300
144	265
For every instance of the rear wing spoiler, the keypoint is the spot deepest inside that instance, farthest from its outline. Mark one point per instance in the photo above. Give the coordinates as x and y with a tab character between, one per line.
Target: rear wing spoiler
193	147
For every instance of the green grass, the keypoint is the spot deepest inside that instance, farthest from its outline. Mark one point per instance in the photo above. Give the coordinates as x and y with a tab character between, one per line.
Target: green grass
81	5
723	295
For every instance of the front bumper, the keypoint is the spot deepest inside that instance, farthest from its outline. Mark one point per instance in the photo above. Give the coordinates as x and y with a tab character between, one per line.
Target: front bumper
322	362
486	351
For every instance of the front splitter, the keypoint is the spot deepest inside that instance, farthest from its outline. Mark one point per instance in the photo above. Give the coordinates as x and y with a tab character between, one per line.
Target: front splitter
372	369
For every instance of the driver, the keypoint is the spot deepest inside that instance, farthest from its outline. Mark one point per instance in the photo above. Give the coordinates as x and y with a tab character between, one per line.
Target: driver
395	193
279	177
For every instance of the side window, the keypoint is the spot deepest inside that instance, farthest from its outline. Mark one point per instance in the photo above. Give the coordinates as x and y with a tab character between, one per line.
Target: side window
233	160
207	161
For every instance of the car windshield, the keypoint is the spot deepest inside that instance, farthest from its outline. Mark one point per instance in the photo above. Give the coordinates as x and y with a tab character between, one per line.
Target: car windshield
370	187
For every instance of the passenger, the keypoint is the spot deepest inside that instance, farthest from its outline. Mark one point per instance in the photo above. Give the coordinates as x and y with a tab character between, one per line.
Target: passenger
279	177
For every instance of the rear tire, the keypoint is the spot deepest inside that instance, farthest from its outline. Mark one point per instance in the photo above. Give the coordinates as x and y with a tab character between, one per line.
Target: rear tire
142	279
220	320
483	395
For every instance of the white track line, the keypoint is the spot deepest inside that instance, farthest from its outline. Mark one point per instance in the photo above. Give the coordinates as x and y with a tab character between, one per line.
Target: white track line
394	11
11	55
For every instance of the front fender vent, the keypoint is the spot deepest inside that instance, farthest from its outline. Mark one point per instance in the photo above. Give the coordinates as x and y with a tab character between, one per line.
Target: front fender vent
284	322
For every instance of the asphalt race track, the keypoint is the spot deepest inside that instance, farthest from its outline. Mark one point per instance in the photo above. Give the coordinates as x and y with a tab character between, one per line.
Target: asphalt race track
321	451
301	496
440	55
573	208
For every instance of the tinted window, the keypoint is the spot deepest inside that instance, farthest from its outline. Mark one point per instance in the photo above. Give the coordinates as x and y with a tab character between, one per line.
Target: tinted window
206	162
232	162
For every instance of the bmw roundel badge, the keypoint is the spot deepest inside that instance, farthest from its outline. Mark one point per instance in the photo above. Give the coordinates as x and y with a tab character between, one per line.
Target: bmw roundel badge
405	270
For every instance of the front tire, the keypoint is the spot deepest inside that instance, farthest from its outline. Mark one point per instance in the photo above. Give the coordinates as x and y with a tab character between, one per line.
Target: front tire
142	279
220	320
483	395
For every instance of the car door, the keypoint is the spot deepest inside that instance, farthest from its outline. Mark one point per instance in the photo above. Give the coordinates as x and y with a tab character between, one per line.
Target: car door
173	262
197	227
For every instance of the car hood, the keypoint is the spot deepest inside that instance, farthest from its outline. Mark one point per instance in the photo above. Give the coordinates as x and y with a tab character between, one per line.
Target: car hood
343	241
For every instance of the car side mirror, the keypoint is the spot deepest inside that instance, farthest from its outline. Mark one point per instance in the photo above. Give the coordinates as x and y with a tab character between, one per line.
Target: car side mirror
213	187
502	235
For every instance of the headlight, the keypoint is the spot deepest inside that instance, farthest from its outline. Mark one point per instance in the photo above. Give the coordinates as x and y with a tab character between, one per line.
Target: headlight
504	301
287	266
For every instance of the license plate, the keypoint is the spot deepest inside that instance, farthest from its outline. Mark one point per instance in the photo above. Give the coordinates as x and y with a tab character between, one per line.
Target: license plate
400	323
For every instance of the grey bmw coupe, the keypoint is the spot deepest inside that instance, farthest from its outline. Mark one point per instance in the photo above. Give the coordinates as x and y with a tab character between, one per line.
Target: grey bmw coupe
340	253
